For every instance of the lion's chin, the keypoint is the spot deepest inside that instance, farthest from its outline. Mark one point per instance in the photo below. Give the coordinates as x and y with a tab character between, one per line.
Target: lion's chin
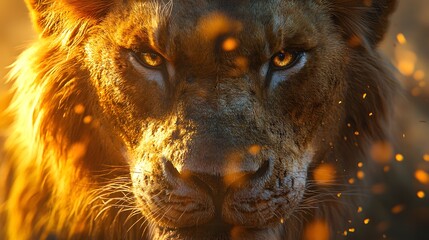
218	232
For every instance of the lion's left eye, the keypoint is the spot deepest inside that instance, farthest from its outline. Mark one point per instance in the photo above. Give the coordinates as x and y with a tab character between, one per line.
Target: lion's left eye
150	59
284	59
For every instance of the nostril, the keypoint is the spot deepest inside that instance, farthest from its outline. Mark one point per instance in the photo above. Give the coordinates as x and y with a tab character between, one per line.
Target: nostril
170	172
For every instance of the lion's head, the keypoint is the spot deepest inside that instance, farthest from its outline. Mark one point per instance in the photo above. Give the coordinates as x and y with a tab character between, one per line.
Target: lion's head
197	119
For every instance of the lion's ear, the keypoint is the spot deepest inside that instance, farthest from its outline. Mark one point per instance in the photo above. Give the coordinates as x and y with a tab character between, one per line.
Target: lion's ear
47	13
363	20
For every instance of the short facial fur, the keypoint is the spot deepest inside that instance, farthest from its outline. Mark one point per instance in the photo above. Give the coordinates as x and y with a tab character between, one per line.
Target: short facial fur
215	142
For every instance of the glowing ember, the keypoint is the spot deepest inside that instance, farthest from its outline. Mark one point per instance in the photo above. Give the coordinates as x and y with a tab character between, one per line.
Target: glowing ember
397	209
254	150
421	194
87	119
324	174
339	195
386	168
317	230
360	164
401	38
426	157
79	109
360	175
230	44
366	221
360	209
382	152
357	133
370	114
364	96
352	181
419	75
421	176
399	157
407	62
352	230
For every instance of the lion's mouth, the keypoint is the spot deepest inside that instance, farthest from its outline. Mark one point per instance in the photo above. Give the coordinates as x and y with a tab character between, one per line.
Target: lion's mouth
184	203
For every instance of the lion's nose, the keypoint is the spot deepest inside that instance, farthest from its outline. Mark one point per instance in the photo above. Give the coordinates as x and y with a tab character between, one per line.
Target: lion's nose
216	183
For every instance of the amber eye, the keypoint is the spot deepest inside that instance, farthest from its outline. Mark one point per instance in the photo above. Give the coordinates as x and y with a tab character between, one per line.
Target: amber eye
150	59
284	59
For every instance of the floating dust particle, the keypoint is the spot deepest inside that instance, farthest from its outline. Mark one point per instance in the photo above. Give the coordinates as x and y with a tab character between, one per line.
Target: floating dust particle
415	92
401	38
403	135
370	114
237	232
242	63
324	174
386	169
352	230
356	133
407	63
398	209
360	164
381	152
317	230
360	209
349	125
354	41
426	157
422	176
254	149
282	220
229	44
339	195
421	194
79	109
360	175
216	24
364	96
378	188
399	157
367	3
77	150
419	75
339	102
87	119
366	221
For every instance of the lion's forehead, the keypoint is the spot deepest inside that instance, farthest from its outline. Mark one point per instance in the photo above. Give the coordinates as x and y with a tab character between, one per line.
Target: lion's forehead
191	28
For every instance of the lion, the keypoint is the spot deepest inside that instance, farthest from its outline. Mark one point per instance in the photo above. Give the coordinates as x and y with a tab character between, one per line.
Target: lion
194	119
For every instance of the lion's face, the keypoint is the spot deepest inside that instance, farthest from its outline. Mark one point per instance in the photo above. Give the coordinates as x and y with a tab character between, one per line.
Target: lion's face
219	108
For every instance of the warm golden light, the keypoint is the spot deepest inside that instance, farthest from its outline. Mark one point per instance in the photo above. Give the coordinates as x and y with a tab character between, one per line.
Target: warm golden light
324	174
230	44
421	194
422	176
382	152
317	230
399	157
401	38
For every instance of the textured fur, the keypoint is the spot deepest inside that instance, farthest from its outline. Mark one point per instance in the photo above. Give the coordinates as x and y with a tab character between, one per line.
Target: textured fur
69	169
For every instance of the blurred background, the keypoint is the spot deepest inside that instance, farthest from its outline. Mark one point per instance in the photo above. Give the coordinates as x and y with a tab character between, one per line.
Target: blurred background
401	188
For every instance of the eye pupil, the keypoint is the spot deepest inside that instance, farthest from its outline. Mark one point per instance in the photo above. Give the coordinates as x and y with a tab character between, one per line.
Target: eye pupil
151	59
283	59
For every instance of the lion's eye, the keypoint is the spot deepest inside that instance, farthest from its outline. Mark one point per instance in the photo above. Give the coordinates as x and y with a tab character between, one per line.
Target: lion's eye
150	59
284	59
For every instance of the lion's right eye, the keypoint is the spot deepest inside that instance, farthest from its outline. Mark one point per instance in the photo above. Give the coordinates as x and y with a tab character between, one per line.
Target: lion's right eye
150	59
